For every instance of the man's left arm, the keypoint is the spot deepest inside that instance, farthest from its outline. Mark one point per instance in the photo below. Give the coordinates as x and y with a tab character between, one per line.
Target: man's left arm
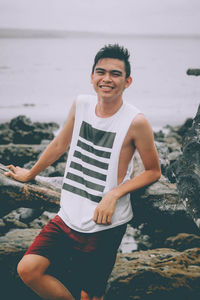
143	138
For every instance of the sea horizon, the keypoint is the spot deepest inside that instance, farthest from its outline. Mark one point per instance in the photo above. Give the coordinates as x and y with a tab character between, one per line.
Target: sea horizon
42	71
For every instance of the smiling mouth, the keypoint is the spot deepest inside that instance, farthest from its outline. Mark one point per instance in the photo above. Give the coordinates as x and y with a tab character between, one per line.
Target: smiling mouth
106	87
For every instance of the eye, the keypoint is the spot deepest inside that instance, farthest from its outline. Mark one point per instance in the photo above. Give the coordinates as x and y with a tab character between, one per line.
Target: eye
116	74
99	71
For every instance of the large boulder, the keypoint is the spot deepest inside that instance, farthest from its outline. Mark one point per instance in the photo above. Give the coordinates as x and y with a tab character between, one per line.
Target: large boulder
185	171
165	274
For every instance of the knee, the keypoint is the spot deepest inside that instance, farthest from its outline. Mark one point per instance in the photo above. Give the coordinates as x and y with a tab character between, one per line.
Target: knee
24	271
27	270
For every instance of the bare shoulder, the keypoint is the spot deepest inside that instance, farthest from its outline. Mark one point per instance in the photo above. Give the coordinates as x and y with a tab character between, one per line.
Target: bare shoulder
140	126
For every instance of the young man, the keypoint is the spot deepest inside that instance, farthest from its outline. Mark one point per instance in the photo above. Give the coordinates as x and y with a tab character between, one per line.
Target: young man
103	132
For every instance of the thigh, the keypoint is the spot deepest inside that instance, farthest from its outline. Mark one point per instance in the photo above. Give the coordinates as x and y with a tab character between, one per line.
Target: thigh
96	267
51	242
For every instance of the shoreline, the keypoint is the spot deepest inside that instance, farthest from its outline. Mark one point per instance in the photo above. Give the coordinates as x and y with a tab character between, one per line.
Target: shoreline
158	120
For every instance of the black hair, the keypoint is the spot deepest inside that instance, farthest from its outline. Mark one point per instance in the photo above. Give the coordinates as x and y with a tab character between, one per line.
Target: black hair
114	51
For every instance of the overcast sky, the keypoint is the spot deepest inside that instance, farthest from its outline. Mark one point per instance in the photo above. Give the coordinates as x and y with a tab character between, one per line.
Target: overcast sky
120	16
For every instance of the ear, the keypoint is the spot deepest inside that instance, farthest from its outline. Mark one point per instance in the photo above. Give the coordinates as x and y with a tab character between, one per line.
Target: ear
91	77
128	81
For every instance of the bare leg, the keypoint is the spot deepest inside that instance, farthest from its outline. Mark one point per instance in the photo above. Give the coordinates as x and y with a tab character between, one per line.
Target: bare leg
32	270
85	296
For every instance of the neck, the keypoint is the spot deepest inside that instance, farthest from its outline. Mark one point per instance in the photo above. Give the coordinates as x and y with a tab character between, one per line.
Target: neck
106	109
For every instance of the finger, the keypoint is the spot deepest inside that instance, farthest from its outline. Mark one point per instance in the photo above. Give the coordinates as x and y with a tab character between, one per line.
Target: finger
104	219
99	219
10	174
109	219
11	167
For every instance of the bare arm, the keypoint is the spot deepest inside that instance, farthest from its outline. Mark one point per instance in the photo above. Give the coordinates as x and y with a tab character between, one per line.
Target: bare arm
53	151
142	136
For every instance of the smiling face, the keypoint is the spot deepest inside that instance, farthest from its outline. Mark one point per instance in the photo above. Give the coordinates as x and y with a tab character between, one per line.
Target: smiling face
109	79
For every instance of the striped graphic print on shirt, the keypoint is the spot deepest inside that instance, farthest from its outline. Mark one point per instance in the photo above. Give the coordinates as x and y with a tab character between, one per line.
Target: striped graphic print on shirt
89	165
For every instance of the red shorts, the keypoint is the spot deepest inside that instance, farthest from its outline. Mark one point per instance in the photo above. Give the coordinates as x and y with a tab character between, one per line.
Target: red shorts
82	261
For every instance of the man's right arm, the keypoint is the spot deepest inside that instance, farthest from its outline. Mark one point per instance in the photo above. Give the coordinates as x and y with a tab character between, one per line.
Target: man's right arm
53	151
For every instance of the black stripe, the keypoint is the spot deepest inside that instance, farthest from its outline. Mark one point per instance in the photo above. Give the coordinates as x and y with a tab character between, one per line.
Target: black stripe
93	150
81	192
90	160
96	136
87	171
89	184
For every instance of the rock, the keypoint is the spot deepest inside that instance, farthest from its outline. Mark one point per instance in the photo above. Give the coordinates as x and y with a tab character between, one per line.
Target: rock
6	136
195	72
12	247
21	123
163	153
185	171
59	169
19	154
128	243
12	220
158	212
31	137
51	126
28	214
183	241
42	220
156	274
185	127
21	130
161	212
3	228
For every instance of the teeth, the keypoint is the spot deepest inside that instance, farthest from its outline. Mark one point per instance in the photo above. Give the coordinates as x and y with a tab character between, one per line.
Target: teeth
106	87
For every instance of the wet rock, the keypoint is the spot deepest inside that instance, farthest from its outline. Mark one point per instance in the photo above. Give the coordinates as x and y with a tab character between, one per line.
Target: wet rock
156	274
183	241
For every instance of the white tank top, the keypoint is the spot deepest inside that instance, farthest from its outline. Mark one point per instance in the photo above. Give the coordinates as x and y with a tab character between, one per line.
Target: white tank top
92	166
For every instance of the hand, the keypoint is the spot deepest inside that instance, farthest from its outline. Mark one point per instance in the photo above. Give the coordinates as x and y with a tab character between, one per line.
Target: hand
105	209
18	173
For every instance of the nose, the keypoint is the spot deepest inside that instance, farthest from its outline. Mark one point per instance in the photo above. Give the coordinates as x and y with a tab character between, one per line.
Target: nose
107	77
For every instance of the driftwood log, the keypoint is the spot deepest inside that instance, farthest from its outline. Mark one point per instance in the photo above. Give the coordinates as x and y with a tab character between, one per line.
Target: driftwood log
41	193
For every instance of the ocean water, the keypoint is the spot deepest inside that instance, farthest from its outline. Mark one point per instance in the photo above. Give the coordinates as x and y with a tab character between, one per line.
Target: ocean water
40	77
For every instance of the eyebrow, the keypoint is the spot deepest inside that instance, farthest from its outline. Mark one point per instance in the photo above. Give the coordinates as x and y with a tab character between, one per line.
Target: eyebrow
112	71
